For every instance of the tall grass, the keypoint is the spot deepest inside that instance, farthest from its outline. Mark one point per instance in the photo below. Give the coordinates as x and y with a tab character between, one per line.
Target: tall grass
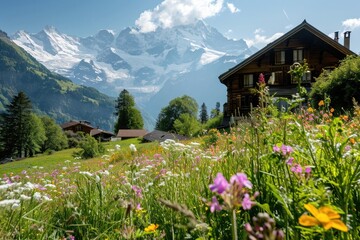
301	165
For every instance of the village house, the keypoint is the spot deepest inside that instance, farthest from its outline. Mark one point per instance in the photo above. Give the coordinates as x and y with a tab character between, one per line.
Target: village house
87	128
274	61
130	133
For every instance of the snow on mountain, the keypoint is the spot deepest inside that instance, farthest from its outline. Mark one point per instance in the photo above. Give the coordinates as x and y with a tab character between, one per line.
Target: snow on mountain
143	63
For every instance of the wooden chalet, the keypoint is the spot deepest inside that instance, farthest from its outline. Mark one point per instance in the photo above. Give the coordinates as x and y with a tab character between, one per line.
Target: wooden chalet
85	127
101	135
274	61
77	126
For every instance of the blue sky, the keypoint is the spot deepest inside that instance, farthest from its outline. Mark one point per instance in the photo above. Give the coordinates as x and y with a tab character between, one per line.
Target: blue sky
257	21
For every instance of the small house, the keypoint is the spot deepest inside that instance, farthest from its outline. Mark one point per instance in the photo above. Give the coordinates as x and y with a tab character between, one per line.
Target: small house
130	133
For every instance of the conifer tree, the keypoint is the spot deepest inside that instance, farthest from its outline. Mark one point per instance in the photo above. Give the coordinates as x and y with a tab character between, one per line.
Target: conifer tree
128	117
16	126
204	117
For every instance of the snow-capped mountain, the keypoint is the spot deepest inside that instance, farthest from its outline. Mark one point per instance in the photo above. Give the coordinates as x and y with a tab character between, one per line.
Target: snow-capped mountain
143	63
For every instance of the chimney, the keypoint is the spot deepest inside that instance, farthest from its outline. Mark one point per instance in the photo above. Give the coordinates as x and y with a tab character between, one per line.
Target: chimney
347	39
336	36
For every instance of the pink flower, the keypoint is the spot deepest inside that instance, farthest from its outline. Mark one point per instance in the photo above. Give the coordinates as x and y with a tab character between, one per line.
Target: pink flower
241	179
214	206
137	191
246	202
220	184
307	169
276	149
290	161
261	79
296	168
286	150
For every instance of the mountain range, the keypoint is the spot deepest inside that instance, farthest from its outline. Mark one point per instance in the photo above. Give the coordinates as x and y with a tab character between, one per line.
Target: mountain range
154	67
50	93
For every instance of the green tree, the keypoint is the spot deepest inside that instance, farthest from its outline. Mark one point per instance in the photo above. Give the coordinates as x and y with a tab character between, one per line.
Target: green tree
55	137
89	148
216	111
204	117
341	85
187	125
36	136
128	117
176	107
16	126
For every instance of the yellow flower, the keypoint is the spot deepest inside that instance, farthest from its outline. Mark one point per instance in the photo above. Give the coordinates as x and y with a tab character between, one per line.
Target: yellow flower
324	216
321	103
151	228
310	110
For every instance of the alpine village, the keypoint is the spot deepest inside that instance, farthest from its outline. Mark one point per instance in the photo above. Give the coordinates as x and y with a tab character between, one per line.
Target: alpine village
279	159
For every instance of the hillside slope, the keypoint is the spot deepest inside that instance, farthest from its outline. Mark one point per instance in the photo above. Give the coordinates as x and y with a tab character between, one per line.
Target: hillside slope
49	93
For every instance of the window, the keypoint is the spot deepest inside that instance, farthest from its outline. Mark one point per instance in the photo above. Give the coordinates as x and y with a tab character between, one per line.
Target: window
279	57
298	55
248	80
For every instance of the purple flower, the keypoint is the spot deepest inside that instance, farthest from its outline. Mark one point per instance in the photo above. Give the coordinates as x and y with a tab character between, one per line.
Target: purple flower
286	150
290	161
241	179
214	206
220	184
296	168
246	203
137	191
307	169
276	149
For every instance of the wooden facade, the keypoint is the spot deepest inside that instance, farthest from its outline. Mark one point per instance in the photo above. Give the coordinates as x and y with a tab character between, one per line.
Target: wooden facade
304	42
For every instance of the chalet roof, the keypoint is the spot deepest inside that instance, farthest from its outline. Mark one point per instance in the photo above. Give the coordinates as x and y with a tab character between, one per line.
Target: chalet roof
74	123
131	133
160	136
98	131
304	25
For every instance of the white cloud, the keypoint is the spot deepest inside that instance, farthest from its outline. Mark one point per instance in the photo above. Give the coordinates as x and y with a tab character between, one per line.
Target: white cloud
351	24
232	8
261	40
172	13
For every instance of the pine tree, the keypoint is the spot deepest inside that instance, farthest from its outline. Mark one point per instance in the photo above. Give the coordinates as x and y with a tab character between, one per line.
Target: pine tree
16	126
128	117
204	117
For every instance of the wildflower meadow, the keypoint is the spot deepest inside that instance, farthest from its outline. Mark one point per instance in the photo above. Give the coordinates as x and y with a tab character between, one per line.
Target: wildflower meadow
289	173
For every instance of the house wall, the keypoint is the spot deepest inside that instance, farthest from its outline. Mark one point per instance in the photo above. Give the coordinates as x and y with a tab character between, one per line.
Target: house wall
318	55
79	128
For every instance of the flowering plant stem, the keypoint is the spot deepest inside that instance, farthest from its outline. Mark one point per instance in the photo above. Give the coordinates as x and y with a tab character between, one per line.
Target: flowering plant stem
234	225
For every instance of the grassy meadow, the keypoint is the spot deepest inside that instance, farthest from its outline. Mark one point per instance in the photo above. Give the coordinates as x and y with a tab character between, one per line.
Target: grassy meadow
277	175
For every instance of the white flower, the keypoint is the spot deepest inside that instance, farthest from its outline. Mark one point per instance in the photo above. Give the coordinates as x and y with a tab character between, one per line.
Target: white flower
37	196
105	172
97	178
47	199
29	185
132	148
86	174
24	197
117	147
9	202
15	206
